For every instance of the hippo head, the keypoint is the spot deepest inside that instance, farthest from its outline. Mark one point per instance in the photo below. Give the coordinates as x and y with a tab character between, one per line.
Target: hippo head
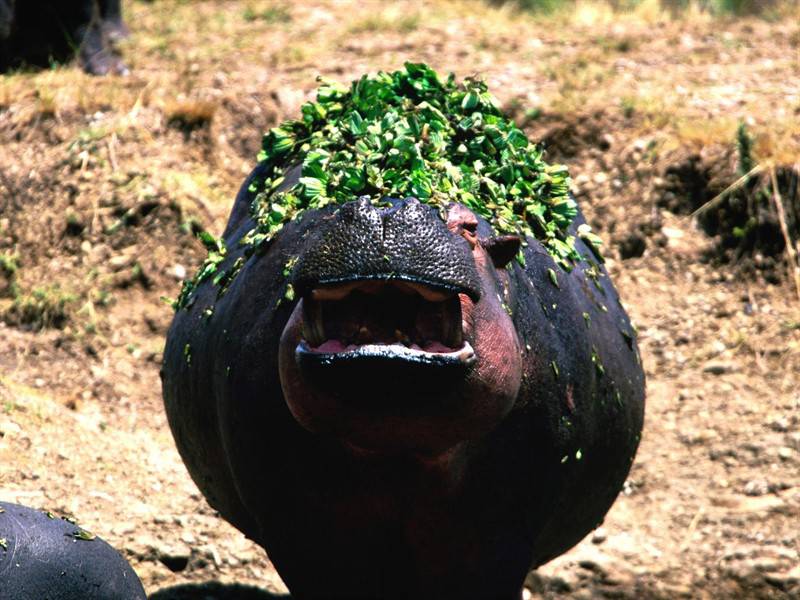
400	342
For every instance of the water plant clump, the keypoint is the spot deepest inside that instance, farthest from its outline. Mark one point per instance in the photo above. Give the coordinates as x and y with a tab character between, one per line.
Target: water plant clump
409	133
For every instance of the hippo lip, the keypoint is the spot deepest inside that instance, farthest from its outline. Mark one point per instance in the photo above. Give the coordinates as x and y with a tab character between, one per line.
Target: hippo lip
463	356
394	319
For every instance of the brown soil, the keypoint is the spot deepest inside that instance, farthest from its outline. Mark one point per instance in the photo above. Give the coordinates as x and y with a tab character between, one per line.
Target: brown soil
103	181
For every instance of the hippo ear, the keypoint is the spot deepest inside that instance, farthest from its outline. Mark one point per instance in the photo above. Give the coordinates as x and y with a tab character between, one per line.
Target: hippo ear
502	248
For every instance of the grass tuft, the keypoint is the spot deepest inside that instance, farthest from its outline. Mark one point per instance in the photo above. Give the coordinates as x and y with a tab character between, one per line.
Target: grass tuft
536	6
46	102
744	146
275	13
9	265
42	307
386	21
188	115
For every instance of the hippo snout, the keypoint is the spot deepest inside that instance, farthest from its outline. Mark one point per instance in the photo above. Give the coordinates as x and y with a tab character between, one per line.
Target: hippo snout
398	341
404	240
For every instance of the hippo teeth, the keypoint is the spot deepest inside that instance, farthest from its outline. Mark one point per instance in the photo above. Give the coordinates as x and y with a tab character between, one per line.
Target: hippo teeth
452	328
340	318
313	328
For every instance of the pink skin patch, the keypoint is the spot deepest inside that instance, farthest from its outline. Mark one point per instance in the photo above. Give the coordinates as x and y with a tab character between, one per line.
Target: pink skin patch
570	400
331	347
436	347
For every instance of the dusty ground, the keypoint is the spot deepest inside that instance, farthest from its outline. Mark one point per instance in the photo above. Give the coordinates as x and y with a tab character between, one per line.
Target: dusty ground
103	180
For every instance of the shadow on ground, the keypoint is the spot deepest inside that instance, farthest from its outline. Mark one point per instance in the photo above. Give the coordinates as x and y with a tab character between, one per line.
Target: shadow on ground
216	591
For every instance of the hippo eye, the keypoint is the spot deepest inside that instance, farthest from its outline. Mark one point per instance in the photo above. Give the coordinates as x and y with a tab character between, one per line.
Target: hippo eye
502	249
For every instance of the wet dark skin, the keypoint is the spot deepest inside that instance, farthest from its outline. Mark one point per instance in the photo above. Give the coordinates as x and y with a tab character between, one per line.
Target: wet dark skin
485	435
37	32
44	556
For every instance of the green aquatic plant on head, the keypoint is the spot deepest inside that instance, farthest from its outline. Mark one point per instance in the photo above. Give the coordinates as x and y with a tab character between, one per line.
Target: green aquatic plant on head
410	133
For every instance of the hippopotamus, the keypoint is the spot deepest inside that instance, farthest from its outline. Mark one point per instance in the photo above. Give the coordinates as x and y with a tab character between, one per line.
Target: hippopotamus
396	400
45	557
35	32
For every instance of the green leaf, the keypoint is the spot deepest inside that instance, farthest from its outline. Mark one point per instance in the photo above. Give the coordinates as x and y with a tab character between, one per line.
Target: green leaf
553	277
313	187
470	101
84	535
357	124
597	364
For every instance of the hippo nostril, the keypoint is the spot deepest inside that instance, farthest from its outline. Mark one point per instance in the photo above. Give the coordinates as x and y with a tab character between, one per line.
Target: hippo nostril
396	205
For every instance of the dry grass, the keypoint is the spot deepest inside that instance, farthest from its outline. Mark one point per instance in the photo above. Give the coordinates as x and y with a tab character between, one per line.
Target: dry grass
270	12
602	11
392	19
202	39
189	114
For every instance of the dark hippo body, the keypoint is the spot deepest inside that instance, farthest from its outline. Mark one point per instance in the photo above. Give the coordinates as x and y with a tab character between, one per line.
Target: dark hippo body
46	558
35	32
387	476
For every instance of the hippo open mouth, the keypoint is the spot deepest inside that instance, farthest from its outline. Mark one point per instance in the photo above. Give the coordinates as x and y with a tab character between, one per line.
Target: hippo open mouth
391	320
394	335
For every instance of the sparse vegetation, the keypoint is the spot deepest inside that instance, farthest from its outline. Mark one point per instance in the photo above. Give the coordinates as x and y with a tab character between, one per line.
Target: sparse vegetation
274	13
628	105
676	8
290	55
744	147
9	265
536	6
41	307
388	21
751	208
46	102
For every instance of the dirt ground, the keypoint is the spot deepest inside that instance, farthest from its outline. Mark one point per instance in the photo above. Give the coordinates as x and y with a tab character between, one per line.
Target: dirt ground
103	181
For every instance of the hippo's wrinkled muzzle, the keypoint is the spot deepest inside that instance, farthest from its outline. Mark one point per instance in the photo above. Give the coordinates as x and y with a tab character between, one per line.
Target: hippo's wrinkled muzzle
407	241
